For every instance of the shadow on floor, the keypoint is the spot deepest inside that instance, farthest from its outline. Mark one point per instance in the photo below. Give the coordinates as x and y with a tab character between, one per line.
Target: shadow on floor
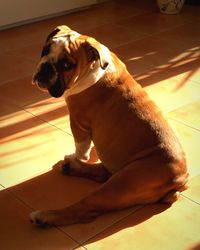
53	190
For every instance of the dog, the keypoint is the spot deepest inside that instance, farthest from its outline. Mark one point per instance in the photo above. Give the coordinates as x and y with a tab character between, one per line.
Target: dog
140	159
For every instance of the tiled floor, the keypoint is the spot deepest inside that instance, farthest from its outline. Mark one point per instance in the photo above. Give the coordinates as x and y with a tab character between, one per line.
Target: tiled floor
163	54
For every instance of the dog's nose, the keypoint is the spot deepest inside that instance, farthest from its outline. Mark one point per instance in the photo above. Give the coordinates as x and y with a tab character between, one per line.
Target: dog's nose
45	72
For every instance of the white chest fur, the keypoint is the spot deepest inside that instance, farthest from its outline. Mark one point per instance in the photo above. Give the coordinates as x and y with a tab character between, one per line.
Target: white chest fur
92	75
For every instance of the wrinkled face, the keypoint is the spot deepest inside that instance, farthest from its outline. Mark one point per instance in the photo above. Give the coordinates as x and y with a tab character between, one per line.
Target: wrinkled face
56	66
67	59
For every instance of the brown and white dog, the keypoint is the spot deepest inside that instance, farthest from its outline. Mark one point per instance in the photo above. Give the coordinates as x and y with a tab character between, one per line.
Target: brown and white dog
141	160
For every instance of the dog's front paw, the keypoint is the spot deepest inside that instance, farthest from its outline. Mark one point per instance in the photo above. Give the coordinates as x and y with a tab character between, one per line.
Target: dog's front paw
43	219
65	164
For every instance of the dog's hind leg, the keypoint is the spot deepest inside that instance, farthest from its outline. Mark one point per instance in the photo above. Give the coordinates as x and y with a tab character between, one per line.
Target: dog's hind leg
128	187
74	167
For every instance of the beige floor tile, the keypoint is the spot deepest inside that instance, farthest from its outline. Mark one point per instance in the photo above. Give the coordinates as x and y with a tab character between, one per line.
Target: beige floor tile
178	34
155	22
28	146
159	53
21	36
156	75
173	60
37	102
113	11
190	70
80	248
83	232
147	5
31	52
28	94
30	153
53	190
189	139
92	17
188	114
152	227
14	67
193	192
53	111
17	233
171	94
185	63
190	12
115	35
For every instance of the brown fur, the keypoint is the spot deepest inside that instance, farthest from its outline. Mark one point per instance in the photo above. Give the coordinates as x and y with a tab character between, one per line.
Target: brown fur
142	161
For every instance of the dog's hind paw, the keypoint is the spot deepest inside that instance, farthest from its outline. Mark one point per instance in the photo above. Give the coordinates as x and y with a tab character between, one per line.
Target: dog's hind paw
43	219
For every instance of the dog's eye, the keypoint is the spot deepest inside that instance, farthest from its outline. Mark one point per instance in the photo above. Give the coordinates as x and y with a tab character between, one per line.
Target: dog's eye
67	66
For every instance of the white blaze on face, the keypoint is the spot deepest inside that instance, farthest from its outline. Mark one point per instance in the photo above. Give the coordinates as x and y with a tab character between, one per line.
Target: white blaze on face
60	41
91	76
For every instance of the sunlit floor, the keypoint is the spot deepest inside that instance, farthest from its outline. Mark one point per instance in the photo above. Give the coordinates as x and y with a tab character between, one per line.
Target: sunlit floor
163	53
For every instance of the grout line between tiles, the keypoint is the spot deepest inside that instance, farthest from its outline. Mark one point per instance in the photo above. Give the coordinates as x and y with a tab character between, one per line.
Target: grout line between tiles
195	81
174	27
2	186
80	246
142	206
176	77
25	110
21	200
147	35
115	222
112	224
14	79
30	59
188	198
18	198
32	209
183	123
46	122
62	231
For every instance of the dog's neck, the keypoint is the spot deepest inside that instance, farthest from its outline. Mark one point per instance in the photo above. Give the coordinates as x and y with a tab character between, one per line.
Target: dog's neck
91	75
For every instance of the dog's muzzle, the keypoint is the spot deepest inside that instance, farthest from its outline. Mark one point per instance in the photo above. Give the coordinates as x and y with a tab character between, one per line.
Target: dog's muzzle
57	89
48	79
45	74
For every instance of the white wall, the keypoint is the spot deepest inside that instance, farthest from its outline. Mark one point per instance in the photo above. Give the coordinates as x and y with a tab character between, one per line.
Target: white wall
15	11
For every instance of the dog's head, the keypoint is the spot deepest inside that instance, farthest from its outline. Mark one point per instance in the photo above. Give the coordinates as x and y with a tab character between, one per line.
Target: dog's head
66	57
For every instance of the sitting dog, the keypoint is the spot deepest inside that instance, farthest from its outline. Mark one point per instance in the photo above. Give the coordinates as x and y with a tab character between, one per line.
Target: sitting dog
141	160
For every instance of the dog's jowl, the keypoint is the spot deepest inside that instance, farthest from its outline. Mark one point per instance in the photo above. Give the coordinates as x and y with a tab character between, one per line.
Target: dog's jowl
140	159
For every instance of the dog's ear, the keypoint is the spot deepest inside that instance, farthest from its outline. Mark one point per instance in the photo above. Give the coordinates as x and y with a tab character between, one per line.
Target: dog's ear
95	51
62	29
52	34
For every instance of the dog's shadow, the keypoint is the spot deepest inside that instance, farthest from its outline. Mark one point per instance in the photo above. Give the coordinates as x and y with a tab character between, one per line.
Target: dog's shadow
53	190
